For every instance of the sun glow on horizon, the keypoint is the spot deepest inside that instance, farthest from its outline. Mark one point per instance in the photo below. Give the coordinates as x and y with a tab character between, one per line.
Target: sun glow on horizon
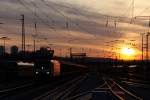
128	53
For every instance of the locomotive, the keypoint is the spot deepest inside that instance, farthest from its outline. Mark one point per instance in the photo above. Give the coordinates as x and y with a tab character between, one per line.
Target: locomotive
45	67
42	63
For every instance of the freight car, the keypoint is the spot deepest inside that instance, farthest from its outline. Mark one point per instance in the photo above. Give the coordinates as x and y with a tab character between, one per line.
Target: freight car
69	68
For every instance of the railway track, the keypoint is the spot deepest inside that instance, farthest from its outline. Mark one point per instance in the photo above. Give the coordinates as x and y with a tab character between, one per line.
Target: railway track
89	95
136	84
108	90
7	92
62	92
32	91
120	92
142	90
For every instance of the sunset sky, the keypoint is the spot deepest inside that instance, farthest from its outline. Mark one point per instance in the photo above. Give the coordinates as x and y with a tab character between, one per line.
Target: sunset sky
100	27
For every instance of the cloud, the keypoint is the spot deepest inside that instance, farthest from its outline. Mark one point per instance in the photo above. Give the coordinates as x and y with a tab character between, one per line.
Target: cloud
85	27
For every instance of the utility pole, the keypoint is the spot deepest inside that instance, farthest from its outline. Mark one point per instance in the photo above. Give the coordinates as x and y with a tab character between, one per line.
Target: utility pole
142	34
34	44
35	34
147	47
132	9
23	33
70	50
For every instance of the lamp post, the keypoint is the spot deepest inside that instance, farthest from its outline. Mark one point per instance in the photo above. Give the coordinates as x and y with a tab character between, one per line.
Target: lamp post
4	38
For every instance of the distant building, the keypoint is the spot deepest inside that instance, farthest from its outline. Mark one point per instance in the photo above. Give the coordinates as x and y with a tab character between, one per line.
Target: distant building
2	50
14	50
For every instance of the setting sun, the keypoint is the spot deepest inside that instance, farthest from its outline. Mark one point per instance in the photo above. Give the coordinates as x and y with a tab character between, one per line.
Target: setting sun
127	51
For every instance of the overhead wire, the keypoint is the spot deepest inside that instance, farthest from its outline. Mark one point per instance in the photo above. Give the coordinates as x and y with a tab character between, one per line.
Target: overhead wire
77	23
52	20
41	19
66	17
43	13
143	11
112	17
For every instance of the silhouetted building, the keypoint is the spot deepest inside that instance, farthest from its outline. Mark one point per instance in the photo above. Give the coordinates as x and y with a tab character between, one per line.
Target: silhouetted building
14	50
2	50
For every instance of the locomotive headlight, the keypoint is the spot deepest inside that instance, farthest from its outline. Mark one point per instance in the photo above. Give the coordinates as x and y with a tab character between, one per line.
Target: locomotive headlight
47	72
36	72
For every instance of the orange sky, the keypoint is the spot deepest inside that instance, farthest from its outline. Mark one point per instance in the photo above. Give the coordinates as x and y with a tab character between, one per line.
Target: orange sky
86	24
